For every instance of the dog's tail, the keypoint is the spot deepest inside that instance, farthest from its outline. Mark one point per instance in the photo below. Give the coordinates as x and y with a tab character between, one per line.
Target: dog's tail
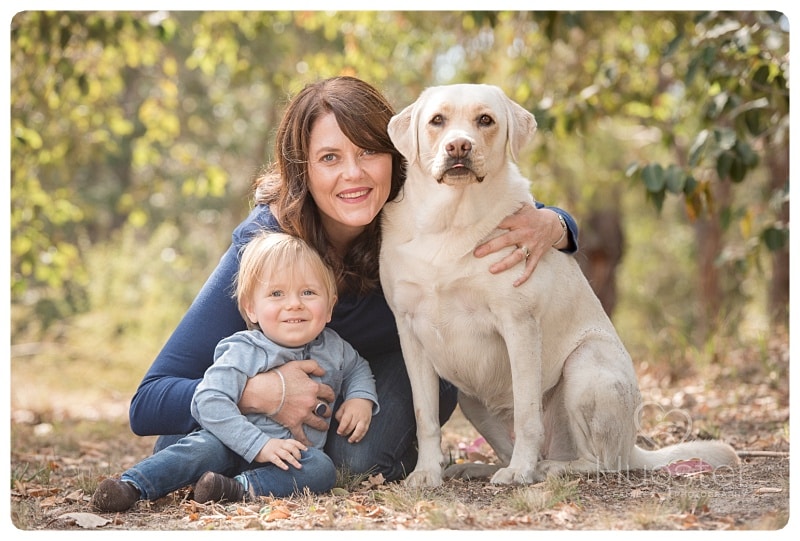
713	452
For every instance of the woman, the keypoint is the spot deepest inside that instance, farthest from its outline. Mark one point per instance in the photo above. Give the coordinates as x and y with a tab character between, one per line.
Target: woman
335	169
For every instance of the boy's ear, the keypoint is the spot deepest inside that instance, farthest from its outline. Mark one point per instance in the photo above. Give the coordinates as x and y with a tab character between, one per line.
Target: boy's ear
330	309
251	316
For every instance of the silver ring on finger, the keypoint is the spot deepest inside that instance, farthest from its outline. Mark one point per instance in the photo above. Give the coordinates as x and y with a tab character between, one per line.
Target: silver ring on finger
320	409
525	252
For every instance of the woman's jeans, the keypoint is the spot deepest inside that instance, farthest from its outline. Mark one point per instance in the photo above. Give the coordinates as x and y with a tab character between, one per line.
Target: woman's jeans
183	462
389	446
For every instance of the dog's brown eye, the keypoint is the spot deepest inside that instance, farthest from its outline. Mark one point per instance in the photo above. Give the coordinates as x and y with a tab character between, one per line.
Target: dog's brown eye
485	120
437	120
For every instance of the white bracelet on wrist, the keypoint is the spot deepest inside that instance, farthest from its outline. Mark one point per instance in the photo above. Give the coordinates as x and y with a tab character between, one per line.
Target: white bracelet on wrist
283	394
563	223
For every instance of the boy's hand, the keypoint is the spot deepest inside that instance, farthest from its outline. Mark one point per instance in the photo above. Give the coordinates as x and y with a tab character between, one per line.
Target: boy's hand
354	416
280	452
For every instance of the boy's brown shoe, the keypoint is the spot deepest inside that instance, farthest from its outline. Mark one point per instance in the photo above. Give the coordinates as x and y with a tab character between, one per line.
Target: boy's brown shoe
215	487
114	495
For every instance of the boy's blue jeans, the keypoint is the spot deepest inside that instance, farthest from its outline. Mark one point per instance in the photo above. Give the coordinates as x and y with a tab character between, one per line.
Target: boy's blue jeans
182	463
389	446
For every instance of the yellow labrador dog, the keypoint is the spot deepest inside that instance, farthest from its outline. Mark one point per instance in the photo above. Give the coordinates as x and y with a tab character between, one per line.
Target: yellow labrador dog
540	369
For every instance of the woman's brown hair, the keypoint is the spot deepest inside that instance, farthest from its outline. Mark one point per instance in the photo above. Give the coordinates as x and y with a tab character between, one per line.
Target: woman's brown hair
363	115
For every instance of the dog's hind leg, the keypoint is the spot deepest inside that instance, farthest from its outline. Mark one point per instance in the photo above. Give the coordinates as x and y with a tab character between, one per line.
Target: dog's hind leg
496	430
497	433
600	399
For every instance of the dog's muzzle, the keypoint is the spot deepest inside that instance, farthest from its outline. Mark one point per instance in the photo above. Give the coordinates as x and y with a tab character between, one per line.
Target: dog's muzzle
457	164
458	176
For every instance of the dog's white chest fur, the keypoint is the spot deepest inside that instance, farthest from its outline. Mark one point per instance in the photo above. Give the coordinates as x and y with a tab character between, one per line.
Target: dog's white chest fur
439	303
442	295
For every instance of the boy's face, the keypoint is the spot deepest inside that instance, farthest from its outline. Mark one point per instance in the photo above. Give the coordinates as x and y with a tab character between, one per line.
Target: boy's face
291	306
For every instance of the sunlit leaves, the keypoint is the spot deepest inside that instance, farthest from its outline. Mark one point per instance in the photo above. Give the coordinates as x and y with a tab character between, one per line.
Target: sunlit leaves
211	184
140	117
161	123
71	124
27	137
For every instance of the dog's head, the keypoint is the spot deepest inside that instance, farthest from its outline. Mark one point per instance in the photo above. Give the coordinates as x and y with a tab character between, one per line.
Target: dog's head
459	133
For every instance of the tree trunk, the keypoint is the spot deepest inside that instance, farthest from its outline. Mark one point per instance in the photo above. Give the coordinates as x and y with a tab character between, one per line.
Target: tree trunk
708	235
778	301
601	245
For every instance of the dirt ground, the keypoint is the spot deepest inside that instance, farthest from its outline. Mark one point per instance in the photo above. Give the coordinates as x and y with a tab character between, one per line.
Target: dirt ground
57	462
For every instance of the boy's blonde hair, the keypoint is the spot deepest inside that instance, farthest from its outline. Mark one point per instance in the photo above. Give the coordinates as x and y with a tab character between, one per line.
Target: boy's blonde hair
271	251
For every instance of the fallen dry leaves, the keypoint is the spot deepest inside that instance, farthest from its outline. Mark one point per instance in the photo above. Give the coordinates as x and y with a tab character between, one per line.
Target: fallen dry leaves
55	463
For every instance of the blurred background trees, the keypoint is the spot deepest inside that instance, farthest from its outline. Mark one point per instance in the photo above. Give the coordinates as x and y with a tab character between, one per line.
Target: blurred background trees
134	137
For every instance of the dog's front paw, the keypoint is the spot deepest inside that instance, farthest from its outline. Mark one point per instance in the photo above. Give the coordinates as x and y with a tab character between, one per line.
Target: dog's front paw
470	471
424	478
515	476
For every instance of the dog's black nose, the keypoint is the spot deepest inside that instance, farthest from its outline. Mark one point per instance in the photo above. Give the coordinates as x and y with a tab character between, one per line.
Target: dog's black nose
458	148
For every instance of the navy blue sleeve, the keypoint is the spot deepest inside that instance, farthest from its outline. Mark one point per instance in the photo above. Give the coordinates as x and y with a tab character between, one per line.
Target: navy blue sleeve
163	400
572	227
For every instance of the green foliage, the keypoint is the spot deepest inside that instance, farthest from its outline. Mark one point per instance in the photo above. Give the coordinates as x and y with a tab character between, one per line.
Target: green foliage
138	293
128	128
95	133
735	69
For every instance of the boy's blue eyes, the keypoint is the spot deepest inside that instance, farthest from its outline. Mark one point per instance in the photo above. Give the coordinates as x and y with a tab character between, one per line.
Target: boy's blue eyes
305	293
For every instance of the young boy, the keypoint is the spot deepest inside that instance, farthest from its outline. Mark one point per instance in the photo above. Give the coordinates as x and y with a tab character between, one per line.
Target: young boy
286	294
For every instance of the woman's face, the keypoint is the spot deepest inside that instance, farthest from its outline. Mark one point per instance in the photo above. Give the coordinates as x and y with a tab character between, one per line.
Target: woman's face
350	185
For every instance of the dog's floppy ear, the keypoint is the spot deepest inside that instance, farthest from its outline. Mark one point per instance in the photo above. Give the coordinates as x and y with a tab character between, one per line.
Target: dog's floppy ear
521	126
403	132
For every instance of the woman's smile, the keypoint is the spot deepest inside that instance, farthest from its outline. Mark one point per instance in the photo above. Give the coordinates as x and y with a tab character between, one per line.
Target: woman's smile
355	195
